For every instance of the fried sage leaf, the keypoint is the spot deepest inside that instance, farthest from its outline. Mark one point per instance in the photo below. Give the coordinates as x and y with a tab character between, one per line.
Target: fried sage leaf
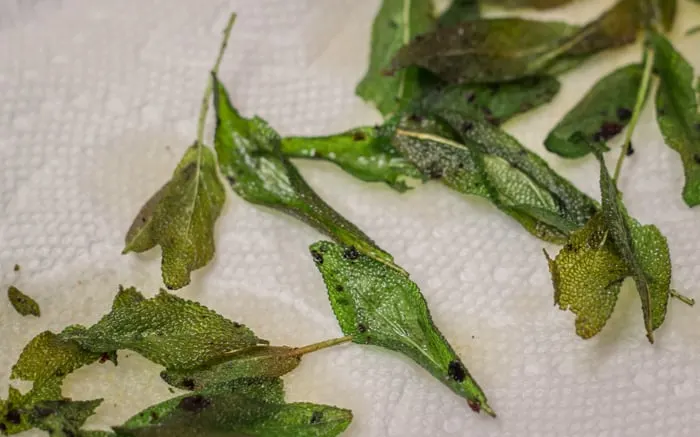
22	303
378	306
473	157
45	361
168	330
457	12
250	158
63	418
602	113
396	23
180	218
677	113
236	412
256	361
364	152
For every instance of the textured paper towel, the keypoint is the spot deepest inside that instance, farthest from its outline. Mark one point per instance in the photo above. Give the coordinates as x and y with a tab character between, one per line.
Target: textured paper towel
98	100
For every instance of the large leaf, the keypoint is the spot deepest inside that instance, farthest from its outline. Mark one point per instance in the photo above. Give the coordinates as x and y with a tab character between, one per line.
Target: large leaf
168	330
396	23
473	157
251	160
22	303
459	11
378	306
602	113
180	218
677	113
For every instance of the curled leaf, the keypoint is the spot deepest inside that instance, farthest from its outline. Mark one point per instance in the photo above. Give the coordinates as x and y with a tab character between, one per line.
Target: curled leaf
180	218
602	113
22	303
677	113
378	306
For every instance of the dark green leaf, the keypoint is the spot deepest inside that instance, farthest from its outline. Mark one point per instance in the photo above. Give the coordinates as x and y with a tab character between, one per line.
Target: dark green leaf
180	218
22	303
457	12
618	26
538	4
677	113
250	158
234	412
364	152
168	330
665	11
62	418
602	113
473	157
378	306
396	23
127	297
256	361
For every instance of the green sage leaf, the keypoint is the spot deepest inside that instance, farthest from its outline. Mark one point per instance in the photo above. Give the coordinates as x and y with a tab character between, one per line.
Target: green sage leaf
62	418
396	23
22	303
180	218
677	112
457	12
602	113
379	306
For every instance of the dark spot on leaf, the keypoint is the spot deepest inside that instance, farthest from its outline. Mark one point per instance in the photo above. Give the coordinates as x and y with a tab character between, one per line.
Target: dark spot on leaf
104	357
607	131
351	253
661	111
13	417
316	417
470	96
16	267
630	149
236	325
393	24
194	404
415	117
361	328
154	416
188	383
316	255
358	136
568	247
231	180
696	158
40	411
623	114
59	373
474	405
68	433
434	171
189	170
467	126
456	371
339	288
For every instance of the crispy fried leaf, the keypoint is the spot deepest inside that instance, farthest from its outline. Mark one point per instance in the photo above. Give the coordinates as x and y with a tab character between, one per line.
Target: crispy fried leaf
22	303
378	306
251	160
234	412
180	218
538	4
677	113
602	113
457	12
395	24
587	275
473	157
256	361
63	418
168	330
364	152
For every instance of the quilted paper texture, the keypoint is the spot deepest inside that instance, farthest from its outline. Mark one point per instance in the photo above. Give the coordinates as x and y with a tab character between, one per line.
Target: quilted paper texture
99	99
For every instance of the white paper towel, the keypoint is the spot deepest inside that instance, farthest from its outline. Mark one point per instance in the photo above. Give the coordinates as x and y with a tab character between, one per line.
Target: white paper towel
98	101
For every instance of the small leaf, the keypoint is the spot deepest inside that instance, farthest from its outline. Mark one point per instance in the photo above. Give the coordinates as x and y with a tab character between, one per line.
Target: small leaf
180	218
62	418
256	361
168	330
396	23
457	12
22	303
364	152
379	306
537	4
227	412
250	158
677	113
602	113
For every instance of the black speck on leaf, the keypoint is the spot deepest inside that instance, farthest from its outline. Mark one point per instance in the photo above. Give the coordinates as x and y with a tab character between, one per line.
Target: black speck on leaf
231	180
351	253
607	131
696	158
3	427
623	114
339	288
393	24
361	328
13	417
40	411
194	404
630	149
467	126
358	136
236	325
470	96
104	357
318	258
316	417
188	383
456	371
415	117
16	267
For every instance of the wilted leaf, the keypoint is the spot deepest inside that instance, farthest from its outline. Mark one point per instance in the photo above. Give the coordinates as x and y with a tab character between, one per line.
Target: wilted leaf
168	330
231	412
22	303
677	113
602	113
180	218
250	158
256	361
473	157
62	418
395	24
379	306
364	152
457	12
